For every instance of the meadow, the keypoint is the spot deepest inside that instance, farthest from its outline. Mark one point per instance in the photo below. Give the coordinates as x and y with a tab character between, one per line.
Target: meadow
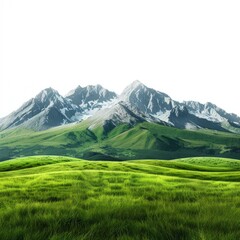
53	197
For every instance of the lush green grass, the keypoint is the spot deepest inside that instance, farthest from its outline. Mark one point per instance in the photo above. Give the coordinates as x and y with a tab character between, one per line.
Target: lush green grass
216	163
146	140
50	197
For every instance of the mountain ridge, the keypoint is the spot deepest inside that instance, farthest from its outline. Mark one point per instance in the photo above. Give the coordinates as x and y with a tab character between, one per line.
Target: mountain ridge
47	109
137	101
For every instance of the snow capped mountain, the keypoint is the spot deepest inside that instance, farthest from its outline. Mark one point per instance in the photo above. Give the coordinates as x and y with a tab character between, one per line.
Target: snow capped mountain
211	112
47	109
137	103
91	98
147	99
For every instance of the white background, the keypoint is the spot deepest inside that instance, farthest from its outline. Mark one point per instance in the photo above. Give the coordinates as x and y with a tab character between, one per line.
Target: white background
187	49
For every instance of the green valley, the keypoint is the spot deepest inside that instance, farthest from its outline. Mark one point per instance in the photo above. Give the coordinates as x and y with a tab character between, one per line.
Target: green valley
144	140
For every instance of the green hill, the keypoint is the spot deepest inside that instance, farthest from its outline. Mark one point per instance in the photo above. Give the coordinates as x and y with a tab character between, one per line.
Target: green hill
51	197
145	140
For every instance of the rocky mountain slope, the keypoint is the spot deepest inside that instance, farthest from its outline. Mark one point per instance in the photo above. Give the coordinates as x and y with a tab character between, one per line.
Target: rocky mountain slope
147	99
91	98
48	109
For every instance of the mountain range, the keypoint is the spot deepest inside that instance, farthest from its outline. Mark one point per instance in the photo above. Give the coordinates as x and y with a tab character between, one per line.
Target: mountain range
137	103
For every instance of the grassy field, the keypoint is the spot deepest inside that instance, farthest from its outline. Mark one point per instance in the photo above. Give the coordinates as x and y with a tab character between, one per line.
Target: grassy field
51	197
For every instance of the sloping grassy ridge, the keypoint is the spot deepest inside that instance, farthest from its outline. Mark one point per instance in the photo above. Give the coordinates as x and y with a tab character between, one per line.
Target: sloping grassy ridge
145	140
51	197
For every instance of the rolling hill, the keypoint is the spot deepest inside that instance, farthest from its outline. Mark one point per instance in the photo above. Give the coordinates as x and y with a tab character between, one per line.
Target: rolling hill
52	197
142	140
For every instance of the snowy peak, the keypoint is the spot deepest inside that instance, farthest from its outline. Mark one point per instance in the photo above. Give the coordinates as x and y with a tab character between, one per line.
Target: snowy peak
134	85
47	109
72	92
97	93
146	99
48	96
210	105
47	91
210	112
91	97
132	89
95	88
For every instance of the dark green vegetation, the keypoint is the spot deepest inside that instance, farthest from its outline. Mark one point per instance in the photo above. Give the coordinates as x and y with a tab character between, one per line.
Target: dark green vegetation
145	140
48	197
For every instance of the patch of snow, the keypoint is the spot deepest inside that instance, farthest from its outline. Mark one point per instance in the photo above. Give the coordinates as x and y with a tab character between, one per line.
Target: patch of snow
167	100
158	114
51	104
70	92
190	126
164	116
44	94
150	103
60	99
63	111
64	122
92	106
